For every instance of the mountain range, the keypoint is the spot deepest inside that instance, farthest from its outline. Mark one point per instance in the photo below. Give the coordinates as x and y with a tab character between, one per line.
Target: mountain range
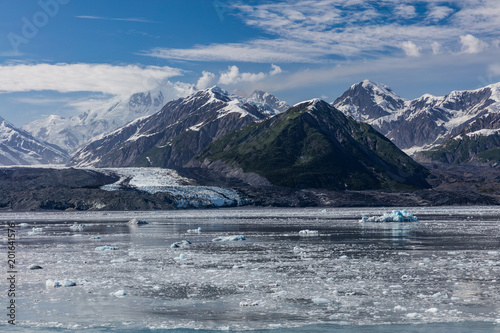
313	145
18	147
465	120
74	132
181	129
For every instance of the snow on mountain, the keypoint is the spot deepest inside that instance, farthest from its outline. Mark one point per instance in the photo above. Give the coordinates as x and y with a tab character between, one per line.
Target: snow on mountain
72	133
421	123
18	147
173	135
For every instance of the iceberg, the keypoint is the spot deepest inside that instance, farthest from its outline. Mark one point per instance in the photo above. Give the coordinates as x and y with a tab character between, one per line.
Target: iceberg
56	284
35	231
234	238
77	227
137	222
395	216
34	266
182	243
194	231
106	248
308	232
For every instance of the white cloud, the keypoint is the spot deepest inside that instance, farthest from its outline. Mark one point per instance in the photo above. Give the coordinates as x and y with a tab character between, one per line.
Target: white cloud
275	70
104	78
405	11
410	49
278	50
205	81
495	69
471	44
436	47
319	31
234	76
127	19
437	13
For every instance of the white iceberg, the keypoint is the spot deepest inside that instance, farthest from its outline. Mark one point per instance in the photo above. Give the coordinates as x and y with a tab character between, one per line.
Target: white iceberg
106	248
77	227
194	231
137	222
35	231
182	243
119	293
395	216
233	238
56	284
308	232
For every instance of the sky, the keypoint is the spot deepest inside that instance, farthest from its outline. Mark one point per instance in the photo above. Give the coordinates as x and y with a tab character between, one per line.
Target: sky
65	56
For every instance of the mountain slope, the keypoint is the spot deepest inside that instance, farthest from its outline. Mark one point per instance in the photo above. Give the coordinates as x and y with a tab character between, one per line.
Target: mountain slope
72	133
172	136
422	123
313	145
18	147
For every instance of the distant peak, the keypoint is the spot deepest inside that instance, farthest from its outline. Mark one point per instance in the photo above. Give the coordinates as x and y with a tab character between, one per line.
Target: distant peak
217	90
312	103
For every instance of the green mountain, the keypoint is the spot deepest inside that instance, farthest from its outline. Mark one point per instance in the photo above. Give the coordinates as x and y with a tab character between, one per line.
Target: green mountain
313	145
466	149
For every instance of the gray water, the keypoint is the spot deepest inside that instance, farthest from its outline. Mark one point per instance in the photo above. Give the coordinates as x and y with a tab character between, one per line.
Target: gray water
439	274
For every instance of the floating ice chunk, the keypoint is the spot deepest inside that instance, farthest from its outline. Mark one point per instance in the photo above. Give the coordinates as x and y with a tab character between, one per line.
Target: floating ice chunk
35	231
56	284
395	216
248	303
308	232
182	243
95	237
34	266
194	231
432	310
234	238
77	227
137	222
319	300
119	293
106	248
399	308
182	258
24	225
297	249
344	257
413	315
439	295
78	235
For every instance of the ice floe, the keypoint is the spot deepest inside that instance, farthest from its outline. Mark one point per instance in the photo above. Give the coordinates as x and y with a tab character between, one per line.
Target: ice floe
182	243
34	266
119	293
35	231
308	232
106	248
56	284
234	238
395	216
77	227
137	222
194	231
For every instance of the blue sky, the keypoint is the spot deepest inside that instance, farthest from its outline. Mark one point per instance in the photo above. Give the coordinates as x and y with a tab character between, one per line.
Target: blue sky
63	56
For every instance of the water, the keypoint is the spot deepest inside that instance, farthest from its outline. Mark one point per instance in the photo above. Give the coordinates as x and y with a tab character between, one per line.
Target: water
439	274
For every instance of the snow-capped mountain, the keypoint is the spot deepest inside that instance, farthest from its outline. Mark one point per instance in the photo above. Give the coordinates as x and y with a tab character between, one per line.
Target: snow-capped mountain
172	136
422	123
18	147
72	133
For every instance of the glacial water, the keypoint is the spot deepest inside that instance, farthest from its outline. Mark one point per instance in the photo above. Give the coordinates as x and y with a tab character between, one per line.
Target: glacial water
101	274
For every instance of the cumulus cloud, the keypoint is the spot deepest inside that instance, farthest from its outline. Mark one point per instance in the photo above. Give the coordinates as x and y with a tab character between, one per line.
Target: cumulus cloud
410	49
233	75
103	78
206	80
471	44
436	47
275	70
